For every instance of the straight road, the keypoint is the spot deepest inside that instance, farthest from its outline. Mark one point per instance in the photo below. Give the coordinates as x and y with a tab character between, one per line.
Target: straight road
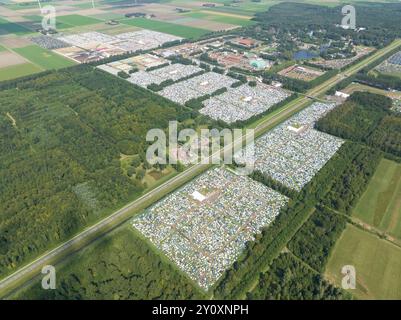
55	255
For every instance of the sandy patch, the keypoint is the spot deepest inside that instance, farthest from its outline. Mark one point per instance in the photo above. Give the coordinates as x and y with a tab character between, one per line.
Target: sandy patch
208	25
226	14
14	42
7	13
81	12
8	59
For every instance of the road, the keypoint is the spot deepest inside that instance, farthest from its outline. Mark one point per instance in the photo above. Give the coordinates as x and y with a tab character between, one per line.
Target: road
55	255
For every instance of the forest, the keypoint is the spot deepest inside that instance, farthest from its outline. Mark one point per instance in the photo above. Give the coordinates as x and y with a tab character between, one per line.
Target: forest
61	137
290	279
366	118
315	239
119	266
350	185
381	21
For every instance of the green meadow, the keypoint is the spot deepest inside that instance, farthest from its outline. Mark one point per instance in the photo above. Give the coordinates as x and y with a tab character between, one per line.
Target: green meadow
221	18
19	70
377	264
380	205
43	58
7	27
77	20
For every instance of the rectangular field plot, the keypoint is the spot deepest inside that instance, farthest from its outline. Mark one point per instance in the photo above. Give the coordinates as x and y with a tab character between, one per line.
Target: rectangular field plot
162	26
376	261
243	102
19	70
380	205
301	73
44	58
196	87
294	152
77	20
204	226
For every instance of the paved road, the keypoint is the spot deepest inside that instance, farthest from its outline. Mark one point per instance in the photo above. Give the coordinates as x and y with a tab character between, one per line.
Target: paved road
32	269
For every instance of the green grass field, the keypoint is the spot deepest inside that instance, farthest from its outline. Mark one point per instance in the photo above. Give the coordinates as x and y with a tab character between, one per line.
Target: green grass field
38	19
166	27
221	18
77	20
380	205
44	58
19	70
376	261
23	5
7	27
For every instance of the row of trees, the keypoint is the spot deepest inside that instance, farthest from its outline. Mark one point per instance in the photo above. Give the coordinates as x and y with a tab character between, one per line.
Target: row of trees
381	21
315	240
367	118
289	279
120	266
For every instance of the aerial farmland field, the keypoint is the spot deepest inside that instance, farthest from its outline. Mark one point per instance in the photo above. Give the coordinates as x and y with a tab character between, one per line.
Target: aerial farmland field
7	27
376	263
171	28
44	58
18	71
221	18
380	205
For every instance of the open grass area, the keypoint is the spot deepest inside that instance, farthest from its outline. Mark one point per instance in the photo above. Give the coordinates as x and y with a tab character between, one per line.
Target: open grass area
221	18
380	205
19	70
77	20
354	87
7	27
23	5
108	16
38	19
377	263
166	27
44	58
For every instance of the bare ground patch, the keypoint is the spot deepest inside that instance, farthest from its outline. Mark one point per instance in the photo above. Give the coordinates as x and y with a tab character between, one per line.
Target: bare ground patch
8	59
15	42
209	25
